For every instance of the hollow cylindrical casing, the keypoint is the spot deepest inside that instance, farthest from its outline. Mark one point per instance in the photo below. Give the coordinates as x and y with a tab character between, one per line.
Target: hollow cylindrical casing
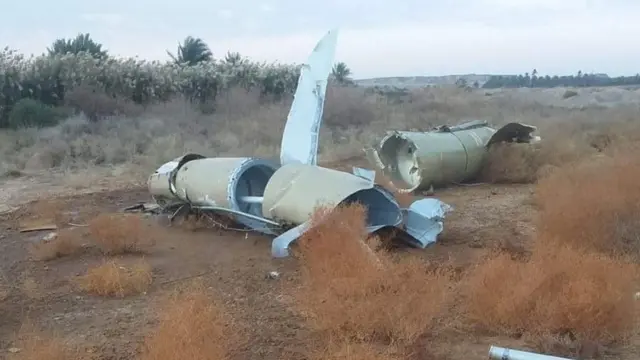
418	160
295	191
160	189
223	181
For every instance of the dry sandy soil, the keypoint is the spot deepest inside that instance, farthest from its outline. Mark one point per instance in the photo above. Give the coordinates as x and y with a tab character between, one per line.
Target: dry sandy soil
522	296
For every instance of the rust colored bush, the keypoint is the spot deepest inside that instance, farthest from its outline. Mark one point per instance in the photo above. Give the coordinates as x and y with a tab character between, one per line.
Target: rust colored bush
193	325
121	233
115	279
558	290
353	292
34	344
593	205
355	351
68	242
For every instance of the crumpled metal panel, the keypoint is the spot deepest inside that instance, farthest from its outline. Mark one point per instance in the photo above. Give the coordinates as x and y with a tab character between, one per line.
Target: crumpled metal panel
424	221
302	130
448	154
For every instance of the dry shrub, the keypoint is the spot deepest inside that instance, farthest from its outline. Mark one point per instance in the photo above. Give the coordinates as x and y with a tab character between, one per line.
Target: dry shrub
355	351
115	279
526	163
559	290
353	292
34	344
121	233
67	242
511	163
193	325
97	104
45	212
593	205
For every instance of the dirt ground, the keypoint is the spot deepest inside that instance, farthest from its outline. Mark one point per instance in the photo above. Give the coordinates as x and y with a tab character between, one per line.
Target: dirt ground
234	264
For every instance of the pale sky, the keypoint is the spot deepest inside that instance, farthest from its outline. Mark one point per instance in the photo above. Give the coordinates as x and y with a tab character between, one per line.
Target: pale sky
377	38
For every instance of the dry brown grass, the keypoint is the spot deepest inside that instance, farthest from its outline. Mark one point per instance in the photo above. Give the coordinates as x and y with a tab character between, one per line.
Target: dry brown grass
558	291
353	292
115	279
34	344
355	351
581	278
593	205
43	213
193	325
243	124
67	242
121	233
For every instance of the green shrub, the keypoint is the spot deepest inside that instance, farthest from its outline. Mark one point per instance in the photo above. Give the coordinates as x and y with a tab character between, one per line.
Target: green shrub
569	94
49	79
32	113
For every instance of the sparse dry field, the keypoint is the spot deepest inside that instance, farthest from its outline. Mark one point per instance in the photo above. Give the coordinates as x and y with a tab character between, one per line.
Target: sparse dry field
542	254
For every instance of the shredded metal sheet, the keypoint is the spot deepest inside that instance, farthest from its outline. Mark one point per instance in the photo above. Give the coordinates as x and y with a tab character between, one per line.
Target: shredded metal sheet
424	220
301	132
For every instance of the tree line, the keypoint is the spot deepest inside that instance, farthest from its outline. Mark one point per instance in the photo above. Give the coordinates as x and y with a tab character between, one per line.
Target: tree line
580	79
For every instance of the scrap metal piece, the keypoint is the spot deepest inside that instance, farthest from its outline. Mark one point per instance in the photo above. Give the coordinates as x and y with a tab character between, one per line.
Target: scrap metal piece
280	245
499	353
424	221
217	184
301	132
296	190
365	174
448	154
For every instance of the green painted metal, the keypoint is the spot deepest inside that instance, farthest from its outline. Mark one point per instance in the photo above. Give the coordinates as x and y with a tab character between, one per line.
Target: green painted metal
421	160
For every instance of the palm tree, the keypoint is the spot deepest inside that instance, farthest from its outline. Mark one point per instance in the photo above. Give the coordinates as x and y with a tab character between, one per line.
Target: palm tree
341	73
81	43
233	58
192	51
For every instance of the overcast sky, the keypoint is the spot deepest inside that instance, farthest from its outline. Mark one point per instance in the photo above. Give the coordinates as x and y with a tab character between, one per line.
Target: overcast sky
377	38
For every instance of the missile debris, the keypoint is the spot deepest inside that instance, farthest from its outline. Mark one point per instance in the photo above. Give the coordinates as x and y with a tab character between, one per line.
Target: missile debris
499	353
445	155
280	199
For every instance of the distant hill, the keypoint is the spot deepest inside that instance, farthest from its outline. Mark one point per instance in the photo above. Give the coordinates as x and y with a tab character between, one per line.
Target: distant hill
422	81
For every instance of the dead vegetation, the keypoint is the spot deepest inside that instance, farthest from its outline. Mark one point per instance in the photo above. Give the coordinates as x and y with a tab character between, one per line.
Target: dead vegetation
593	205
355	351
113	278
67	242
559	291
193	325
355	293
579	283
117	234
32	343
